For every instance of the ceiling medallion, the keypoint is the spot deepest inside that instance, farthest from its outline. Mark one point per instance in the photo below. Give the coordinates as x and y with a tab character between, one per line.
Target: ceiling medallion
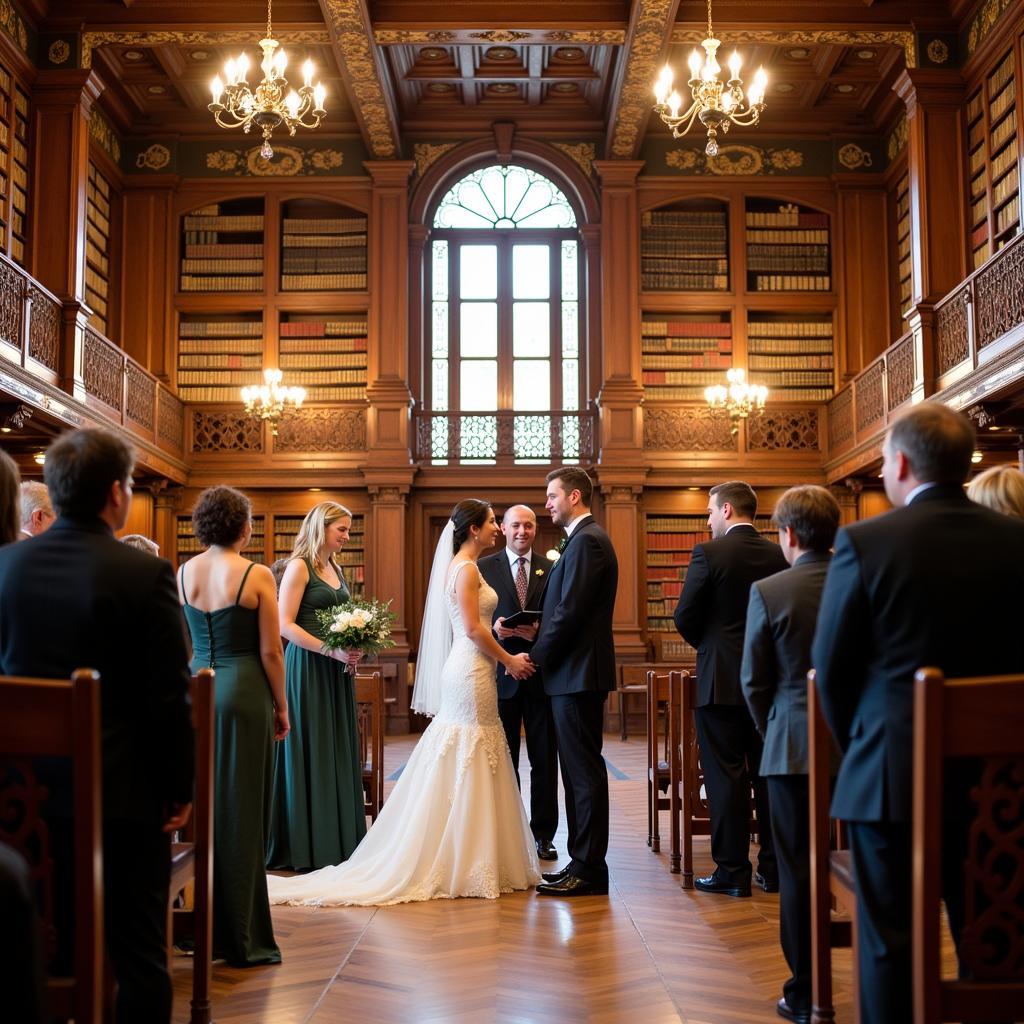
573	53
432	53
503	88
200	55
500	53
784	87
565	87
715	103
844	88
133	55
866	54
798	53
440	87
155	90
268	106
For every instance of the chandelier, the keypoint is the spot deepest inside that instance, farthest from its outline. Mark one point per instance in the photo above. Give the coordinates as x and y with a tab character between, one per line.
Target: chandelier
269	105
716	104
270	401
740	398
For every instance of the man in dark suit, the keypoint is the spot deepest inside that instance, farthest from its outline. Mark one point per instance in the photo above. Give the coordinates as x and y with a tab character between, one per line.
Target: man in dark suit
76	597
711	616
518	575
781	617
937	581
575	650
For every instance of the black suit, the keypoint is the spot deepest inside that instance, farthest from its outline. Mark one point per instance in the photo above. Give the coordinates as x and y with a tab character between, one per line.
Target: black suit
524	704
575	649
76	597
781	617
711	616
938	582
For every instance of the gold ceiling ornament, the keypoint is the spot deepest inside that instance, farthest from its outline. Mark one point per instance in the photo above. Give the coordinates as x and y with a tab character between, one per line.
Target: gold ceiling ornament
716	104
272	103
739	399
426	153
271	400
583	154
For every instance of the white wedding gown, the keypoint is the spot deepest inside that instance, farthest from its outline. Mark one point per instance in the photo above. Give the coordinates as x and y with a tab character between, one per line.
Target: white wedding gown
454	825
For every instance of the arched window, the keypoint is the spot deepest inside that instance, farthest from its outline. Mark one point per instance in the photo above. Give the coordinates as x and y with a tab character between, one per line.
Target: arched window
504	320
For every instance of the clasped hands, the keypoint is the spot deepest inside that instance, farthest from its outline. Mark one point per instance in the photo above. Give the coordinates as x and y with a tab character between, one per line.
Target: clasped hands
520	667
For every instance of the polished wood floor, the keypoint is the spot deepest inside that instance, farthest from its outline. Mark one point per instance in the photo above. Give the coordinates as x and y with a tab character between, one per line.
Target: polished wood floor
649	952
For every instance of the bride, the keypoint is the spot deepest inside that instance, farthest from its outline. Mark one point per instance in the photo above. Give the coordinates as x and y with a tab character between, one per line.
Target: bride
454	824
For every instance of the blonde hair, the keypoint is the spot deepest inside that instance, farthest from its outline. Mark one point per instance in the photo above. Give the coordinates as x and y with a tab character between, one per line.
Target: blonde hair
1000	488
313	532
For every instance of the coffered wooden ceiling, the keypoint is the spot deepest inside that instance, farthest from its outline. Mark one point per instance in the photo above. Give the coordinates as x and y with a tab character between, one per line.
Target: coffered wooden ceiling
398	68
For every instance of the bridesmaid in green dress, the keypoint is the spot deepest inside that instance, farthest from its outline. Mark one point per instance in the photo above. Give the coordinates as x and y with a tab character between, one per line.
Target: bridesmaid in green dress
231	609
319	815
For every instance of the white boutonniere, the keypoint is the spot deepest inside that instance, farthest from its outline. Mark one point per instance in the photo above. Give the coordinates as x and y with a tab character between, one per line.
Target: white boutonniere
538	572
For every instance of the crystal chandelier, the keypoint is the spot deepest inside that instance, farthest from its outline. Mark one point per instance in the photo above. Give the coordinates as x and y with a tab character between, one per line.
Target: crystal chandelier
269	105
740	398
716	104
270	401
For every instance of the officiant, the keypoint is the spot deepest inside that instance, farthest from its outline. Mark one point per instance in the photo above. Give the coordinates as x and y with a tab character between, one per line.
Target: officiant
519	575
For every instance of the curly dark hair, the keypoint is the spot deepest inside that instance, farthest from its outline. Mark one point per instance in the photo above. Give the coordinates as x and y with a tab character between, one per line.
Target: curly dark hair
220	516
469	512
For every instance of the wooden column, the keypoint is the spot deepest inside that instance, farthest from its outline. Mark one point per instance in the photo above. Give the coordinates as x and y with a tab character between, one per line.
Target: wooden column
934	99
864	330
167	501
388	434
148	271
620	516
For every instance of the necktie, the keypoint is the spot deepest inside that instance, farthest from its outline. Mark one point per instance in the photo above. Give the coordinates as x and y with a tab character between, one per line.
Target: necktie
521	582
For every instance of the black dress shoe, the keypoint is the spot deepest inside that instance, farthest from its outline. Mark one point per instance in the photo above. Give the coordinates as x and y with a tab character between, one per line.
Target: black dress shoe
711	884
571	885
546	850
783	1009
555	876
768	884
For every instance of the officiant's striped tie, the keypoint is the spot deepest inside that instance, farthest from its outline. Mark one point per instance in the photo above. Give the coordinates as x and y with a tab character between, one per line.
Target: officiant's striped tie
521	582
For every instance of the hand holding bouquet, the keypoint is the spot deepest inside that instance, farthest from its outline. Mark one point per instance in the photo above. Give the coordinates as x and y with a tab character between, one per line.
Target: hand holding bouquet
354	629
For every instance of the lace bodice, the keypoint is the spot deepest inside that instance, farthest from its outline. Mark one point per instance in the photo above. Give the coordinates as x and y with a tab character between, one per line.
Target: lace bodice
488	599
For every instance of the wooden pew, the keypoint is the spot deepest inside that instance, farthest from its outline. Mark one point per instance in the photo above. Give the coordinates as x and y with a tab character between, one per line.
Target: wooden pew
664	775
58	718
982	719
192	858
632	679
370	707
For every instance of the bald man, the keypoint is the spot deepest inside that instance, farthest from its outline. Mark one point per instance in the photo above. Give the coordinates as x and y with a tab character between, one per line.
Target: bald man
519	575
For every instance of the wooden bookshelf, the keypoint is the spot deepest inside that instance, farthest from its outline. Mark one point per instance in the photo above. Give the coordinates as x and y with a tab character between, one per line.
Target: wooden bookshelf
352	556
188	544
218	353
325	353
904	257
323	247
97	247
683	353
792	353
222	247
685	247
19	176
788	247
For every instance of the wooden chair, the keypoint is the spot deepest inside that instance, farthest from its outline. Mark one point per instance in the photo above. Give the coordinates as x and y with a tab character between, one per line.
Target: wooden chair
192	858
58	718
370	706
664	774
980	719
832	885
695	813
632	680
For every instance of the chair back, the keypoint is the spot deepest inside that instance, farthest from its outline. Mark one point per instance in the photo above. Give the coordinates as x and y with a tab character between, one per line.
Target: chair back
58	718
370	709
981	720
664	695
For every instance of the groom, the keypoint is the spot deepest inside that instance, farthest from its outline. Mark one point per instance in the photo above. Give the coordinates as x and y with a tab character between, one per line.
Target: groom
576	653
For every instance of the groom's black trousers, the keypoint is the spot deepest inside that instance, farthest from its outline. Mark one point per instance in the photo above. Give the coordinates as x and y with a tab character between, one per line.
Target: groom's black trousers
579	720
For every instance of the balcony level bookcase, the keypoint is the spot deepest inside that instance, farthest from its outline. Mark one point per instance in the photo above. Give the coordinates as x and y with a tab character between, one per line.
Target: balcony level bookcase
14	165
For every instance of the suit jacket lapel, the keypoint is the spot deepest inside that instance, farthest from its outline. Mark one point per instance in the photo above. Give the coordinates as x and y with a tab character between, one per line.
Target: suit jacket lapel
535	582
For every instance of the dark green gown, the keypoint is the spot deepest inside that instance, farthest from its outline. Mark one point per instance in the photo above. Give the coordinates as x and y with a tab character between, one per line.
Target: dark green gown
228	641
319	815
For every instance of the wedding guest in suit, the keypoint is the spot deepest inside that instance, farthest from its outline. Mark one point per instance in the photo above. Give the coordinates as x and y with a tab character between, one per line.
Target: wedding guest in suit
576	652
319	815
711	616
140	543
937	581
231	609
36	510
9	499
781	617
519	574
1000	488
75	596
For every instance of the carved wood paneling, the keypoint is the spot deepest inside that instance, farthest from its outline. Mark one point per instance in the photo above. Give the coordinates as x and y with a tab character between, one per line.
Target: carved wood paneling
224	431
171	420
840	418
687	429
951	331
794	430
999	296
900	368
322	430
44	329
140	396
870	404
103	370
12	291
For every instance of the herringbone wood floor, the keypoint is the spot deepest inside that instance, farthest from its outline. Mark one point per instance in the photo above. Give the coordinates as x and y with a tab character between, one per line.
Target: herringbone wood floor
648	953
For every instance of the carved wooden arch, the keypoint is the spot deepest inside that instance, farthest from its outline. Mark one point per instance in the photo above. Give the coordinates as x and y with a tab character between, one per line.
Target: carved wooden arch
660	202
780	195
282	189
537	156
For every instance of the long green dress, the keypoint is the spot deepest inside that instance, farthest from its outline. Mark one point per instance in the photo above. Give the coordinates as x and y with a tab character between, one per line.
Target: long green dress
318	816
228	641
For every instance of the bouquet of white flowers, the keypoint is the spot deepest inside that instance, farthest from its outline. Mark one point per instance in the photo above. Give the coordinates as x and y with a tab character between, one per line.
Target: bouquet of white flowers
357	626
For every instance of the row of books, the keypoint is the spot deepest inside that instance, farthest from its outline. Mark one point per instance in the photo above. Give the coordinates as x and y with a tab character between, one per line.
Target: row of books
222	377
664	574
664	588
228	222
320	329
212	393
95	257
192	283
666	607
322	345
695	394
665	540
324	241
1005	130
684	282
308	360
703	361
684	265
786	216
204	359
1008	215
1005	188
691	377
676	246
785	362
682	218
1001	103
319	261
685	329
788	346
210	238
795	378
323	282
789	264
655	346
695	235
1006	159
322	225
222	266
787	237
225	250
792	283
789	328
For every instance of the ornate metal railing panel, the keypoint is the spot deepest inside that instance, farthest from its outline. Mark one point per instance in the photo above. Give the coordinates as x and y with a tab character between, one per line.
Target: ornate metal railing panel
44	329
999	295
103	370
952	338
899	369
511	437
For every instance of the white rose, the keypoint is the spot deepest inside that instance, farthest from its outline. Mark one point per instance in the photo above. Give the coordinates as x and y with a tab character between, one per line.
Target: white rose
344	620
336	628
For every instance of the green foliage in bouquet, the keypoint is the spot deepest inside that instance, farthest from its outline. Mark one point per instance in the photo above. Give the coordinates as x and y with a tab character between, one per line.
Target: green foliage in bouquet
357	626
